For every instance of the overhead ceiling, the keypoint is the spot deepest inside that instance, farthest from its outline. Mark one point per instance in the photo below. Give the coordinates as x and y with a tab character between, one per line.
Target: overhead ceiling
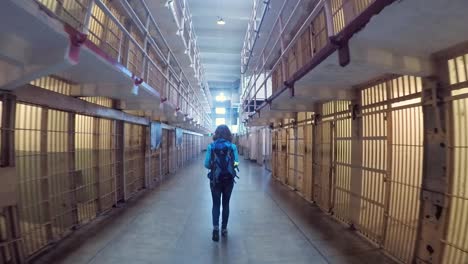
220	45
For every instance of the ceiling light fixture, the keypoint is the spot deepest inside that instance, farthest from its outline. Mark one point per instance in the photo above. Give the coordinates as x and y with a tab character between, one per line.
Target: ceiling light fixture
220	21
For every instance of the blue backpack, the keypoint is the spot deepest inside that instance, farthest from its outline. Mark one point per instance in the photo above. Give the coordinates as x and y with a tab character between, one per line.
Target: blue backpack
222	161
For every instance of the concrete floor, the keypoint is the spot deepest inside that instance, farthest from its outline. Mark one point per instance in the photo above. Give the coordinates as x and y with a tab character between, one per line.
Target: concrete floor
269	223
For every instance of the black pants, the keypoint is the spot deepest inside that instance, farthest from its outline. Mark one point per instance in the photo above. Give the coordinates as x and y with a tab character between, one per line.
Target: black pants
221	190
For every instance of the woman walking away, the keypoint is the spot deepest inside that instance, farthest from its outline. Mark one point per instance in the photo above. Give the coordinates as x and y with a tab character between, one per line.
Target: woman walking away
222	160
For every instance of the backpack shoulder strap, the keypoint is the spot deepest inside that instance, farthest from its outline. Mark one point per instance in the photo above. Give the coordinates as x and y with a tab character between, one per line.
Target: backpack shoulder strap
212	156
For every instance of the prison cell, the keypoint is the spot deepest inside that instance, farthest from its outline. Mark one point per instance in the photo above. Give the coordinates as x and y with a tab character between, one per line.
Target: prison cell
156	72
342	163
305	49
308	156
72	12
29	161
191	147
267	137
155	166
293	169
187	147
365	168
70	170
134	158
197	145
58	179
184	149
106	164
455	241
69	166
259	152
274	153
165	152
276	146
172	151
283	156
374	165
180	148
292	61
322	164
344	11
85	178
135	55
104	32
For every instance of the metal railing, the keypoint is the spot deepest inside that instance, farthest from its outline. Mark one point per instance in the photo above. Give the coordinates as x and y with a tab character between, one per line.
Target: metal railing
253	29
138	45
274	43
181	11
328	18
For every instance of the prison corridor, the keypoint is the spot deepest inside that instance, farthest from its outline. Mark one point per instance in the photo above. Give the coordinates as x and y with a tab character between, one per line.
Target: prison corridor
269	223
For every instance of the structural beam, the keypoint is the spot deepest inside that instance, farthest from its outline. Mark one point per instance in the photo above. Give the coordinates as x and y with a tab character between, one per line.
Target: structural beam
39	96
434	203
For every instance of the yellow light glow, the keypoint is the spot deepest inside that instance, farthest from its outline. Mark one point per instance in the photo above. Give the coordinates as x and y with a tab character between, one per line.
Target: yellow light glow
220	110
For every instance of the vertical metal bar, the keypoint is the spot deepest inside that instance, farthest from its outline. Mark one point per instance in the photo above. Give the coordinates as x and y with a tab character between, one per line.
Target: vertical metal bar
144	150
282	48
329	18
72	163
331	188
161	173
168	79
115	161
295	136
149	153
356	161
8	135
146	59
126	44
388	177
96	162
315	153
45	175
121	158
87	18
255	93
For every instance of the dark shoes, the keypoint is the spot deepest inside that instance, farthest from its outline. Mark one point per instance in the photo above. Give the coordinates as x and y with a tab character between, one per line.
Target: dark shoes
215	235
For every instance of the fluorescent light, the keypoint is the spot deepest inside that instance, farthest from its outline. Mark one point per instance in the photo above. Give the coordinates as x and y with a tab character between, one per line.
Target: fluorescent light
221	97
220	110
220	121
220	21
